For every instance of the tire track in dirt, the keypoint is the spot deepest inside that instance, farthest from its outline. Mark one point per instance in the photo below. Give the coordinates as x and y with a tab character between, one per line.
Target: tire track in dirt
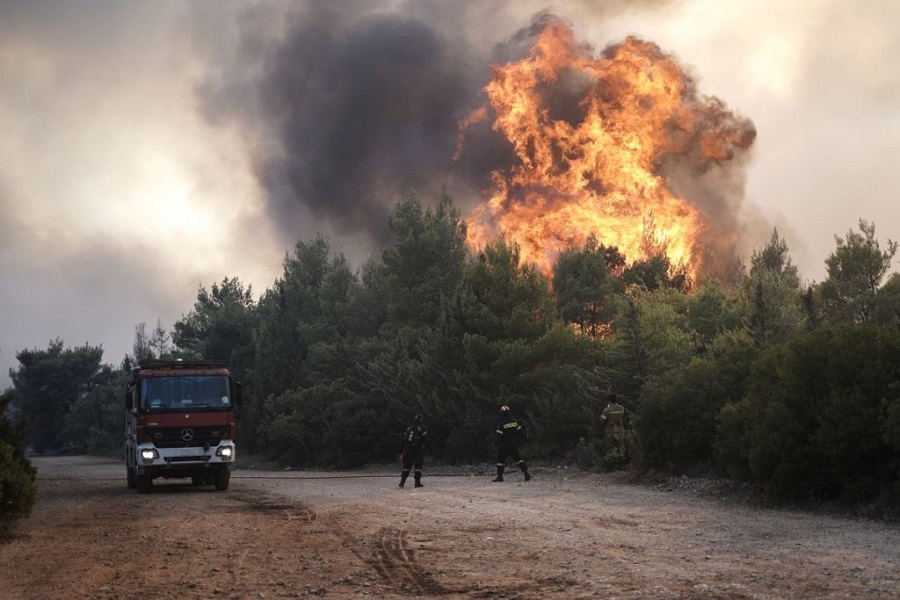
388	553
265	508
396	563
385	553
270	505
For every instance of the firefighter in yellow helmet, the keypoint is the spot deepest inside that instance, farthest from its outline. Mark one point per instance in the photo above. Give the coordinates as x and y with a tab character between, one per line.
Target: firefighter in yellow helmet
613	418
508	433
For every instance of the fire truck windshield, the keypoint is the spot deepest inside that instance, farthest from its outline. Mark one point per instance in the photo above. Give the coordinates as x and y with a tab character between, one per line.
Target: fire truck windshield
185	393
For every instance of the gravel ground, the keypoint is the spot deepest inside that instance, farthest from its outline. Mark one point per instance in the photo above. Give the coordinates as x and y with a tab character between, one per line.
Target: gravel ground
565	534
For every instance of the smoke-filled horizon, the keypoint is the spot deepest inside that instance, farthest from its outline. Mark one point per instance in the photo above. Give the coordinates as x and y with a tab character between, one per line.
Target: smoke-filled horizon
351	108
359	108
151	149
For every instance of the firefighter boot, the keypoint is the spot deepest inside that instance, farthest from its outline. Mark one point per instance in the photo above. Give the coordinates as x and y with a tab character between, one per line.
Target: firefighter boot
403	477
418	477
499	476
524	467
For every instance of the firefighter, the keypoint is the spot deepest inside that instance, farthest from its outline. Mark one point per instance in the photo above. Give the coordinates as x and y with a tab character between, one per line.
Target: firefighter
412	450
613	417
509	432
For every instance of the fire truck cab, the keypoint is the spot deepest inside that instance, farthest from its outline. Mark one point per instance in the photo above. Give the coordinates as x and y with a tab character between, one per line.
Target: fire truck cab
179	422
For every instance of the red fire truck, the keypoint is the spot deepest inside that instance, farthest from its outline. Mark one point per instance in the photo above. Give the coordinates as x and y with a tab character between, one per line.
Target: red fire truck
179	422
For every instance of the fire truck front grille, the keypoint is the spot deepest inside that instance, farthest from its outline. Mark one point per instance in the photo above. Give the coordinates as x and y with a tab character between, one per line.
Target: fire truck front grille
186	437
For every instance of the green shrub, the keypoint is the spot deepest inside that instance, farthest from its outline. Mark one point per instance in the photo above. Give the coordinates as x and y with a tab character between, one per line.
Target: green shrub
676	421
820	419
17	488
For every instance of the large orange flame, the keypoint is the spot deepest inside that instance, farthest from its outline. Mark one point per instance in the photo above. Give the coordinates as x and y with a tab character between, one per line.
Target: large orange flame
589	137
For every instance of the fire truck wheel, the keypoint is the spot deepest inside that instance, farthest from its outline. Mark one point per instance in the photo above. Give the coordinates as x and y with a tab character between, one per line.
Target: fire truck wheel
223	476
144	482
132	478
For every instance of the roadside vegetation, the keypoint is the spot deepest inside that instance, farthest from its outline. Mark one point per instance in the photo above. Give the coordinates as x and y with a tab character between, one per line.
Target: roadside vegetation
17	489
752	375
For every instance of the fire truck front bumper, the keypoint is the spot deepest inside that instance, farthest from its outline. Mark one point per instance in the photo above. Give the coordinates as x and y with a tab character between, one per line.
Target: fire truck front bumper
149	455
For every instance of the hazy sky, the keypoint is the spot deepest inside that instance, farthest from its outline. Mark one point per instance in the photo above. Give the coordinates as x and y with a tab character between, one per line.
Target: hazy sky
148	148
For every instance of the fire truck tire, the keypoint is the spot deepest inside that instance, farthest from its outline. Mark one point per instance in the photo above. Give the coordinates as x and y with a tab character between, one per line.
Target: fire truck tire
132	478
223	477
144	483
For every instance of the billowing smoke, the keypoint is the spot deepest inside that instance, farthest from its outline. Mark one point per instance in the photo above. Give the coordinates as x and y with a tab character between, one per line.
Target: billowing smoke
348	105
348	110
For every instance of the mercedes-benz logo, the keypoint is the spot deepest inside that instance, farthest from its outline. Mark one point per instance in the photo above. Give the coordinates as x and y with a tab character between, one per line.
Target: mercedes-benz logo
187	434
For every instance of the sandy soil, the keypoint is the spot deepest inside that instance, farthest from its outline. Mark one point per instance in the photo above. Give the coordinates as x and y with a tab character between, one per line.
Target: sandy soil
287	534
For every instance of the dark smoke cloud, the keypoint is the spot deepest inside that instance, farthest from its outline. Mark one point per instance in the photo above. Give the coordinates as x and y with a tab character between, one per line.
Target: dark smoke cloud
350	111
351	105
363	117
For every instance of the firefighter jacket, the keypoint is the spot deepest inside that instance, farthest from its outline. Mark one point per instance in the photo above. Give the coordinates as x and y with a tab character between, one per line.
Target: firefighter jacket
414	438
509	432
613	414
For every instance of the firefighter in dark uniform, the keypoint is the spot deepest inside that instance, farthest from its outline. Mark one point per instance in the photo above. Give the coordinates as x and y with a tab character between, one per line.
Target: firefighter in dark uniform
613	417
412	450
509	432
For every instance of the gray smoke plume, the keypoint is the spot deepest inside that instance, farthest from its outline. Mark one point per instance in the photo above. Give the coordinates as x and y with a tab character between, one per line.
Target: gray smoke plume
348	105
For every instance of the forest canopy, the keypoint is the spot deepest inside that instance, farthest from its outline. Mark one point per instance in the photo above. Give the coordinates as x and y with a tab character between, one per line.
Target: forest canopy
759	378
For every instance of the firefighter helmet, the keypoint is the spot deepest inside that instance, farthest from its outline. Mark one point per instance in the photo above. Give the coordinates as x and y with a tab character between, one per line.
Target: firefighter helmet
504	409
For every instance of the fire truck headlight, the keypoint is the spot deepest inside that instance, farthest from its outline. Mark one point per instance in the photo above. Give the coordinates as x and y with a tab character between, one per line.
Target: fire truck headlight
225	451
149	454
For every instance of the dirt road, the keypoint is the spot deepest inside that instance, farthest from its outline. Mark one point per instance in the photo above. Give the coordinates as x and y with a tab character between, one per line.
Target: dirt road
278	534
